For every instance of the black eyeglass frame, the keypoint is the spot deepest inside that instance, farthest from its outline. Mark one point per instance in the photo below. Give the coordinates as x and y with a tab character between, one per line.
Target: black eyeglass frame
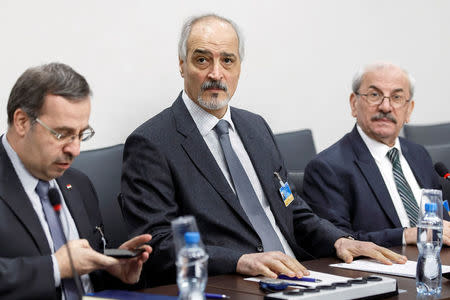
381	98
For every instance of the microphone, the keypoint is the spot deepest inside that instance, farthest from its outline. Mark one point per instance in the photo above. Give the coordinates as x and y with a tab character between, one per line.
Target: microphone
444	178
442	170
55	201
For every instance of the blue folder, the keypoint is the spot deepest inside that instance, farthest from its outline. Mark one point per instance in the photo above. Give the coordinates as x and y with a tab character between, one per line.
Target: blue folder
127	295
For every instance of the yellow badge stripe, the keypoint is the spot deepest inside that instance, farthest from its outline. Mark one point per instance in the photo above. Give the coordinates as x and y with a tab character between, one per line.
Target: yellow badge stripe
288	200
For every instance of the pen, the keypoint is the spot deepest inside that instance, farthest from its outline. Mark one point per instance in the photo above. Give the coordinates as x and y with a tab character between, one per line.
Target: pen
307	279
216	296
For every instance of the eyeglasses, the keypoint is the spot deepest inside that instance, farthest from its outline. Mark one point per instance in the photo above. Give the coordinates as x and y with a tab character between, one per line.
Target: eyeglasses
396	100
69	138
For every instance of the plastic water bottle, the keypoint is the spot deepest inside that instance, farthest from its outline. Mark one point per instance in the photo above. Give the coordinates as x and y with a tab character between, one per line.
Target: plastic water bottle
429	243
192	264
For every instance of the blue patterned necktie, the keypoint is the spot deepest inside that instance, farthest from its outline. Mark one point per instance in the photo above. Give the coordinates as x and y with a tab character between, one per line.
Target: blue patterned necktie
403	188
59	239
246	194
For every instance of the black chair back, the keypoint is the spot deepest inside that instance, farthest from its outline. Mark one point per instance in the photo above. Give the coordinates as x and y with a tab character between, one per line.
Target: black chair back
440	153
297	148
435	138
295	180
104	168
428	134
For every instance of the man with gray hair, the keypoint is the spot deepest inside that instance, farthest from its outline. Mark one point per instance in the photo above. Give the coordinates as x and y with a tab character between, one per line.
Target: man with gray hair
369	182
48	117
204	158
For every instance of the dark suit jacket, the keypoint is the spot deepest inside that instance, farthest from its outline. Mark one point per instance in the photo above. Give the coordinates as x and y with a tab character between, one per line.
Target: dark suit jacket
26	269
344	185
169	171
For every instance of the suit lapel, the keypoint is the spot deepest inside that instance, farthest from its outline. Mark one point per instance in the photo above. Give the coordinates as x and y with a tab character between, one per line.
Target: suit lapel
75	203
199	153
13	194
414	165
258	152
371	173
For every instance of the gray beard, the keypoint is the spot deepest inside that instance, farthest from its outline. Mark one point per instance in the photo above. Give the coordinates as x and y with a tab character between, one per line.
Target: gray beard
214	103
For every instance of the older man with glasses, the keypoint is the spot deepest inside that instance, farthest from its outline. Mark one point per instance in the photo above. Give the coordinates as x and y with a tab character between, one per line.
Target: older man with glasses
48	116
369	182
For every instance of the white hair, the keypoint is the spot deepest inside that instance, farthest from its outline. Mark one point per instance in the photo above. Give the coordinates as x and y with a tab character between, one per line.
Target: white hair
187	28
358	77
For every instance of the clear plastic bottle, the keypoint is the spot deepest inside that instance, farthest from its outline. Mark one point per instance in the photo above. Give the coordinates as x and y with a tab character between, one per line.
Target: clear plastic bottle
429	243
192	264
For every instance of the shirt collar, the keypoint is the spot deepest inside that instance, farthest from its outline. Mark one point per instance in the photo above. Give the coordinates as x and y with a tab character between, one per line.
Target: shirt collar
377	149
205	121
29	182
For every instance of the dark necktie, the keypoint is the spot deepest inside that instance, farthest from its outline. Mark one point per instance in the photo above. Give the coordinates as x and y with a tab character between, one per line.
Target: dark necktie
403	188
245	193
57	233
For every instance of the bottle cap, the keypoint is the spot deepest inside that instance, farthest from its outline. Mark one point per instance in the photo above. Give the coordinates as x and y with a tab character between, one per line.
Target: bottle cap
191	237
430	207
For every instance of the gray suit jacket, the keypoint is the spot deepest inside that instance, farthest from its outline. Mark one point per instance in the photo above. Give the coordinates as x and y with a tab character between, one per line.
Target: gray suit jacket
169	171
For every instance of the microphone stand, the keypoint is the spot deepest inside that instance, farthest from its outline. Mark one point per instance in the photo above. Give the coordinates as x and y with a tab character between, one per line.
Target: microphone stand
55	201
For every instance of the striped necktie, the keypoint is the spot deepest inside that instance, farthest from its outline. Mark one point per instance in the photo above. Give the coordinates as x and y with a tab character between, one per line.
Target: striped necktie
403	188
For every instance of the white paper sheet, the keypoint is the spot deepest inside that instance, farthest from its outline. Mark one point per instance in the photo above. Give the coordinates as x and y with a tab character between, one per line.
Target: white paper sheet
370	265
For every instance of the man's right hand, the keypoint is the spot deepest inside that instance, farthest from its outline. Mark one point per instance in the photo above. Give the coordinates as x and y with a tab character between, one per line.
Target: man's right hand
270	264
85	259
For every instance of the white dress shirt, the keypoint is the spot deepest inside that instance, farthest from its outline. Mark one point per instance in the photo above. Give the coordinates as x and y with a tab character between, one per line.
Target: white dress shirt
205	123
379	151
29	183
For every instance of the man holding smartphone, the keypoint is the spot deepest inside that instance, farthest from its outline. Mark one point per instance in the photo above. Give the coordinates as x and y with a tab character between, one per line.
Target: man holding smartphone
48	117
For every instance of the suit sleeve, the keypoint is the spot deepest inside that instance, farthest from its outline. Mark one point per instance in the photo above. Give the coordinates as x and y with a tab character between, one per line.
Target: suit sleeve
316	236
26	277
324	193
150	203
313	233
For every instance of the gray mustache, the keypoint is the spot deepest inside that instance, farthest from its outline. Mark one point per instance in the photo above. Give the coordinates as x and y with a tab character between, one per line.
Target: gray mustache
382	115
214	85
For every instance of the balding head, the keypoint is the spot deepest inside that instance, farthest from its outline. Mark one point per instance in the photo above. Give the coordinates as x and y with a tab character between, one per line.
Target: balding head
359	76
187	28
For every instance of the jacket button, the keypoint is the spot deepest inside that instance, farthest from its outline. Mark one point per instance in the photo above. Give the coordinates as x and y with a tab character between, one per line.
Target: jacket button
260	248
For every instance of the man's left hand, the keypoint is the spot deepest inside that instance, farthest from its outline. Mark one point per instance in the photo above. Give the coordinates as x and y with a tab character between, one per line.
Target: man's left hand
347	249
129	269
446	233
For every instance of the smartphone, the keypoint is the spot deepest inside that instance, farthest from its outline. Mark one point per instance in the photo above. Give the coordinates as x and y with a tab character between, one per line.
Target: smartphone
123	253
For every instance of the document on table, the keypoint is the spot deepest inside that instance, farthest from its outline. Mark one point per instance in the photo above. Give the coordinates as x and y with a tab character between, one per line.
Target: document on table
369	265
326	279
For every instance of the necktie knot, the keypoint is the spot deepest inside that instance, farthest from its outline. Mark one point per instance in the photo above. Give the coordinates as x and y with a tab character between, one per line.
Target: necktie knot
42	189
393	155
221	128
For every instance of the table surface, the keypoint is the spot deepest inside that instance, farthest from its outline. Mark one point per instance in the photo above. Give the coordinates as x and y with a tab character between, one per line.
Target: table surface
237	288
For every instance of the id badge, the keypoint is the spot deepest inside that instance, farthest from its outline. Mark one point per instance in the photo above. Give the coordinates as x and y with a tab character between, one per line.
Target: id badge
286	194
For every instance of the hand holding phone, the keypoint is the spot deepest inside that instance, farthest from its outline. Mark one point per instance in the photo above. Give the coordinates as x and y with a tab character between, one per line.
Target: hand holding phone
123	253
